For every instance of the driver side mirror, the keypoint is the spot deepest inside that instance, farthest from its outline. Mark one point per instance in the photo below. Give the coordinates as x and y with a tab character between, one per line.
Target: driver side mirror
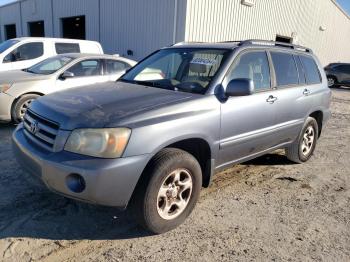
66	75
240	87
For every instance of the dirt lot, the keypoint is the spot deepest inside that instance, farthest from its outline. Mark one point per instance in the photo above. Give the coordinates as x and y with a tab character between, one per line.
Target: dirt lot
267	209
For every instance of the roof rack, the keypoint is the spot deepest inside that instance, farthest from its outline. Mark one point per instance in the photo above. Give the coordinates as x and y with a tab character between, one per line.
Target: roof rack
273	43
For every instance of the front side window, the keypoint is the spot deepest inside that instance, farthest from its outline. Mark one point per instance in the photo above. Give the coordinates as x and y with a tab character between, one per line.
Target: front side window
115	67
64	48
7	44
26	52
285	69
254	66
50	65
91	67
179	69
311	71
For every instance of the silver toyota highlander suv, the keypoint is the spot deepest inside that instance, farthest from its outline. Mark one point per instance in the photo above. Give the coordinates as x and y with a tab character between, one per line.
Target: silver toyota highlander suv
156	136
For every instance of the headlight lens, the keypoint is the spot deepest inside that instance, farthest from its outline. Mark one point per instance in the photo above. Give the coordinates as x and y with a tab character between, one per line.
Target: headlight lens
104	142
4	87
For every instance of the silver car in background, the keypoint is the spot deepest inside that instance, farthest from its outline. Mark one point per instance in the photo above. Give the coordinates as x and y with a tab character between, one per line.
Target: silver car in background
19	88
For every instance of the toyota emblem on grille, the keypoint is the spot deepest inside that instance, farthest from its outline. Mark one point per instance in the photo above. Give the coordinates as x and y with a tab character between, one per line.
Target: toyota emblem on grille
34	127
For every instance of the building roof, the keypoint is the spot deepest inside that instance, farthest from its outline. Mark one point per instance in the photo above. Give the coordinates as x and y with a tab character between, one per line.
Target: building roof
333	1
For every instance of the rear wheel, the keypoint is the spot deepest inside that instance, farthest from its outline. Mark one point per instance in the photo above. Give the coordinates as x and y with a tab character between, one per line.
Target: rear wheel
165	198
301	150
20	107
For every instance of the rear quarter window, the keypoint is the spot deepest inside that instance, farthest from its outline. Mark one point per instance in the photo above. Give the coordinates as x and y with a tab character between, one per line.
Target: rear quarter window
63	48
115	67
312	73
301	71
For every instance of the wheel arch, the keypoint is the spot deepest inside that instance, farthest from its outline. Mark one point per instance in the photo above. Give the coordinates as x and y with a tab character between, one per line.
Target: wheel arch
21	95
198	147
318	116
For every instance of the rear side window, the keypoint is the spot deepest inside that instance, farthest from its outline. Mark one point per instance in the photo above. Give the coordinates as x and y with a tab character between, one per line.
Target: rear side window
285	69
343	68
254	66
115	67
63	48
311	71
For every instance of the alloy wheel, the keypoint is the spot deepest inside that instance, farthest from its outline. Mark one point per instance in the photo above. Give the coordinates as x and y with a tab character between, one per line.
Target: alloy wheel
174	194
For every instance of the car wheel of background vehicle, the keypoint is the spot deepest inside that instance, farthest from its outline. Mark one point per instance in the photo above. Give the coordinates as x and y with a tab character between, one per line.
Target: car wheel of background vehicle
20	107
168	191
302	149
332	81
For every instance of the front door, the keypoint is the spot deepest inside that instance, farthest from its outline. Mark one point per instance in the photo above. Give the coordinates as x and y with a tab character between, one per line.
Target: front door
86	72
247	122
24	56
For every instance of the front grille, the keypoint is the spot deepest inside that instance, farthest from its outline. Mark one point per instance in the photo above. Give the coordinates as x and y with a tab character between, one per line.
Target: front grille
39	130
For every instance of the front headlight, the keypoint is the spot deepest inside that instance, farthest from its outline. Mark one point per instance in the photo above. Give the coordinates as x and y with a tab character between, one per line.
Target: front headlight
102	142
4	87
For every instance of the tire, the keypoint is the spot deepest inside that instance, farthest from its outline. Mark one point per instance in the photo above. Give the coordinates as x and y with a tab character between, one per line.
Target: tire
332	81
150	203
301	150
20	107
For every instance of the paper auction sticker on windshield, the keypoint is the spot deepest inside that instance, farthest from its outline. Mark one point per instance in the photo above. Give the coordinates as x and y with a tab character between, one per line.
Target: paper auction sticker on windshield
203	61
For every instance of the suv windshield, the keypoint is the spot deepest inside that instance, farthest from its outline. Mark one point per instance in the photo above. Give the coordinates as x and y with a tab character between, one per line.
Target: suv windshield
7	44
50	65
182	69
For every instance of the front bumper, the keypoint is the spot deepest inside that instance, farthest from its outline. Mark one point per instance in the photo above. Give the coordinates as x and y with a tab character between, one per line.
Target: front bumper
109	182
5	107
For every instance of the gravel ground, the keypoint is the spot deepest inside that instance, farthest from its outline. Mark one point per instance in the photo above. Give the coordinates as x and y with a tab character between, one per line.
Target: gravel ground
266	209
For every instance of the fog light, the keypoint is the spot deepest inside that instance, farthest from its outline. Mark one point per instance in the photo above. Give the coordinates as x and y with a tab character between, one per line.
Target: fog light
75	183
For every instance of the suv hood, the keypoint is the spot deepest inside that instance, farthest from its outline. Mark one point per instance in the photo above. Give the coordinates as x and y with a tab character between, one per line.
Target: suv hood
103	105
18	76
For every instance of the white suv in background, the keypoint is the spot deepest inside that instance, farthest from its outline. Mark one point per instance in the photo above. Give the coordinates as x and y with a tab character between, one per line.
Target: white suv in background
21	53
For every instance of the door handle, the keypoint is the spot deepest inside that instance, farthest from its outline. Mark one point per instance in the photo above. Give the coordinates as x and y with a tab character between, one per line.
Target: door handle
306	92
271	99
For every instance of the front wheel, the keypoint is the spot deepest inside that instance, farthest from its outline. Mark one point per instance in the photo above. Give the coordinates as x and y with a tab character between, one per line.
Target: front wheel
302	149
168	192
332	81
20	107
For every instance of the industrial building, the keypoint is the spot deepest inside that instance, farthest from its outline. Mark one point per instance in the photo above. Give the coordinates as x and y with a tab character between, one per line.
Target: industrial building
134	28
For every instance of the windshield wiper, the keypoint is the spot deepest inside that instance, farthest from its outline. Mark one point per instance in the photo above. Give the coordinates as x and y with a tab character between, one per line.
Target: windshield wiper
127	81
146	83
29	71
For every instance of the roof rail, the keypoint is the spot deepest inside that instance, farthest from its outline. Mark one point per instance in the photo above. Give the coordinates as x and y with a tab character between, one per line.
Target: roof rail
274	43
186	42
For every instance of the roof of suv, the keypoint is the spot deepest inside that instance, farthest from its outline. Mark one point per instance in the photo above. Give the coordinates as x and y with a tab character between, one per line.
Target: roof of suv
54	39
235	44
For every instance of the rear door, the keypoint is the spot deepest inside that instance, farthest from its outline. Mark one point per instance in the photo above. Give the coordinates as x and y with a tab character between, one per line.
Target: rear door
115	69
247	121
295	91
